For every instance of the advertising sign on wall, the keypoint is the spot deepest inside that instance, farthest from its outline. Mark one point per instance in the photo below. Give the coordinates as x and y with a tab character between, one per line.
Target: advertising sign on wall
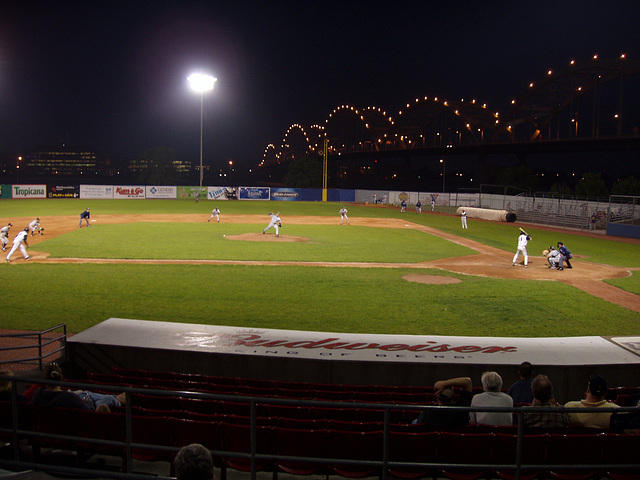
286	194
254	193
159	191
28	191
129	191
222	193
63	191
96	191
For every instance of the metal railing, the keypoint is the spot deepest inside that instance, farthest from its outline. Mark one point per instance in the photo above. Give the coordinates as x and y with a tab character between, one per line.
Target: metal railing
384	464
40	341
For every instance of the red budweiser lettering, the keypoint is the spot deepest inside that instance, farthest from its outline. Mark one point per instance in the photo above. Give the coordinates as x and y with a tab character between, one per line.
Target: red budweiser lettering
253	340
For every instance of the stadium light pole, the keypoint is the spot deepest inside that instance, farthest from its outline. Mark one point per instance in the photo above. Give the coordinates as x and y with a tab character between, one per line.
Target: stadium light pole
201	83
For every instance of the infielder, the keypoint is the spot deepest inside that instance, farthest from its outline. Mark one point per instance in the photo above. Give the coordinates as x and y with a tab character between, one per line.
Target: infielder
19	242
554	257
274	223
4	236
418	207
85	216
343	215
215	213
463	218
403	207
523	240
35	227
433	203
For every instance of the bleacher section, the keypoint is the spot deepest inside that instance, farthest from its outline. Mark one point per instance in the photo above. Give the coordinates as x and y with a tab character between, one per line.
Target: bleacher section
310	428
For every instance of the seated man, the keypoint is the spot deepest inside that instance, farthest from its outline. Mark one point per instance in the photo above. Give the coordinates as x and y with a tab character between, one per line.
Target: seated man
444	394
520	391
493	396
596	389
542	389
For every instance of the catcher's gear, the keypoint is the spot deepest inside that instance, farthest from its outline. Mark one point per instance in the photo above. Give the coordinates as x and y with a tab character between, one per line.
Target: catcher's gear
545	252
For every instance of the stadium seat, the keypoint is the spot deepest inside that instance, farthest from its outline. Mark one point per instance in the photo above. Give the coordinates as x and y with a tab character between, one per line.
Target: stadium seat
309	443
465	448
572	450
363	446
534	450
622	449
418	447
237	440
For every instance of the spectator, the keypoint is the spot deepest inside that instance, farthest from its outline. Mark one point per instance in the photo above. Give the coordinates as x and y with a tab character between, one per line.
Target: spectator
542	390
520	391
55	396
194	462
493	396
444	394
5	388
596	389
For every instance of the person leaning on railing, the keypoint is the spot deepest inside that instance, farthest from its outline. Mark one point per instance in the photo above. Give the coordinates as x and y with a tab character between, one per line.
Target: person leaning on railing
444	394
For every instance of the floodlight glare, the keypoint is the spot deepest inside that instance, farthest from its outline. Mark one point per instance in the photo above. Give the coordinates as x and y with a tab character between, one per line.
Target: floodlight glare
201	83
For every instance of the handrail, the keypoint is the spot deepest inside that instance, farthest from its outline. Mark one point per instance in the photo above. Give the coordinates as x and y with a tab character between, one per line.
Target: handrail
62	338
384	464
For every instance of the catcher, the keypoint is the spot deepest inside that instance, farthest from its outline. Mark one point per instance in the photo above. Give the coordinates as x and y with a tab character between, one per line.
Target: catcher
275	223
554	258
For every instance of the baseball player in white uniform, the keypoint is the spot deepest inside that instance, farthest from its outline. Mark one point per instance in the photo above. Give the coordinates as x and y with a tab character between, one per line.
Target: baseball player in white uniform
215	213
463	218
19	242
554	257
343	215
523	240
4	236
274	223
35	226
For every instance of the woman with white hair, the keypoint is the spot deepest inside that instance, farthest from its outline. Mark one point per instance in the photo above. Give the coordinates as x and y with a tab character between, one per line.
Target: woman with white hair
493	396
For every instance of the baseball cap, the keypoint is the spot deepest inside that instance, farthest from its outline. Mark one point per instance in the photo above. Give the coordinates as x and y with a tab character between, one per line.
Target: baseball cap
597	385
10	224
551	247
445	395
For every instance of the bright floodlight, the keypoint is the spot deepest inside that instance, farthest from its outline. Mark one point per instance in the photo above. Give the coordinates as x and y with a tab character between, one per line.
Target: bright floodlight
200	82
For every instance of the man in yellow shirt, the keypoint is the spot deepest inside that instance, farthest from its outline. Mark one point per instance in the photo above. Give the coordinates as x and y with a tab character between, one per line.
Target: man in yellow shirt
594	398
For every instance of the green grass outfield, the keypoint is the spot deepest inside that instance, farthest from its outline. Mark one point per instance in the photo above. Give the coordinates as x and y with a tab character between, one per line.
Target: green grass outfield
372	300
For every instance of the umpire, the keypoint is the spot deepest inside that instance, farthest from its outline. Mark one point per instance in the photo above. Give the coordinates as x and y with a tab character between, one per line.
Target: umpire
85	216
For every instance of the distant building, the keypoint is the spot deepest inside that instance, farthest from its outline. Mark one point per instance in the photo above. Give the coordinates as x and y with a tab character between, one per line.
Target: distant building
63	162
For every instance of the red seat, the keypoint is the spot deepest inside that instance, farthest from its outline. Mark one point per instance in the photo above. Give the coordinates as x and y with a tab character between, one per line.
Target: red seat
622	449
465	448
417	447
55	421
307	443
533	452
236	439
571	450
197	405
206	433
102	426
364	446
155	431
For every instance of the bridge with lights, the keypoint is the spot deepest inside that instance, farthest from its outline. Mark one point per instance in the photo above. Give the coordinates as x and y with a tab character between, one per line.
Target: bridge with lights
579	108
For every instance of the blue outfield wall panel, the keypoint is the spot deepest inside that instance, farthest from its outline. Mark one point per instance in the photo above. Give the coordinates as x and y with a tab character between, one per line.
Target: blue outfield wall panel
341	195
286	194
623	230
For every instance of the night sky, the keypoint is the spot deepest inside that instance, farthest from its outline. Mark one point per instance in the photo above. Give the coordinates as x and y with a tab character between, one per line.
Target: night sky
111	75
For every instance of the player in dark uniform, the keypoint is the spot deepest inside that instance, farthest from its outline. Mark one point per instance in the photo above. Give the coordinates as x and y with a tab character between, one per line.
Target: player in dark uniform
566	254
85	216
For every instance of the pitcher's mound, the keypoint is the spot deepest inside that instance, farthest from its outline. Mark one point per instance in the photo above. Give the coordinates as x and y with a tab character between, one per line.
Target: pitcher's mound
433	279
266	237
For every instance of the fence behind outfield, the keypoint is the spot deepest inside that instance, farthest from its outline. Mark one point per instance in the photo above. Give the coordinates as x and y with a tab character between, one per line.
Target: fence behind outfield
617	215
